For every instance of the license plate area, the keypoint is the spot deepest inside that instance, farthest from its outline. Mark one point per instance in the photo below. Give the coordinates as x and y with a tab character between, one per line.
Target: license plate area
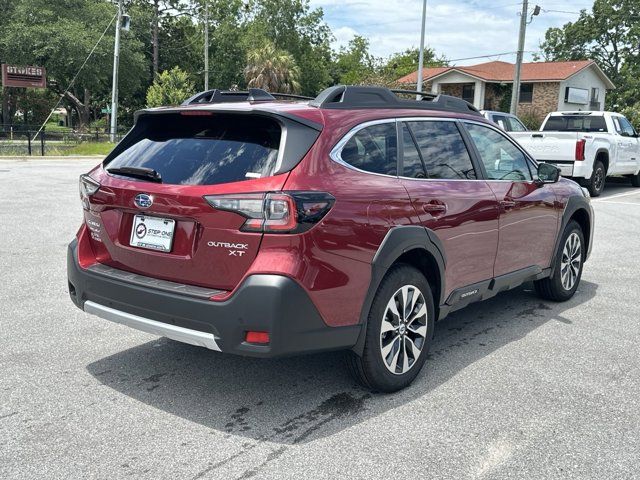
152	233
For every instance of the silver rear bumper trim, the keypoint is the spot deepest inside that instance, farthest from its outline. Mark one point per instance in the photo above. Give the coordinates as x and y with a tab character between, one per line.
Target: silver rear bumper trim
180	334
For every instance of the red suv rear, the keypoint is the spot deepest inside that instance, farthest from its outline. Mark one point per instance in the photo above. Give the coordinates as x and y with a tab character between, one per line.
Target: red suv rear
269	227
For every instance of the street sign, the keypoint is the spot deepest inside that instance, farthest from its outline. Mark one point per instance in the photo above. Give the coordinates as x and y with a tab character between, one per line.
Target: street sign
105	110
25	77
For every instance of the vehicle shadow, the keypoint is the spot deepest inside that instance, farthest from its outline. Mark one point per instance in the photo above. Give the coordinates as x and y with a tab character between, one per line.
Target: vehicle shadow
295	400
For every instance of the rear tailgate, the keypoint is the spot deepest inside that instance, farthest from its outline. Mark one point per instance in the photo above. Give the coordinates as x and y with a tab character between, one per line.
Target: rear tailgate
549	146
195	156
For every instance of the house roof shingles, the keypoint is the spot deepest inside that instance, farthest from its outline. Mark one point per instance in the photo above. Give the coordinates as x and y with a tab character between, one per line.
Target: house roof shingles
504	71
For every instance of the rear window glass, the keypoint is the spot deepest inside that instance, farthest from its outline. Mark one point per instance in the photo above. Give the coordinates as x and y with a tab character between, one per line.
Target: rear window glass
576	123
204	150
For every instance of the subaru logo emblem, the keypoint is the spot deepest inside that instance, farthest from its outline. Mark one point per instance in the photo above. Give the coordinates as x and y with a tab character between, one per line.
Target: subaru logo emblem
143	200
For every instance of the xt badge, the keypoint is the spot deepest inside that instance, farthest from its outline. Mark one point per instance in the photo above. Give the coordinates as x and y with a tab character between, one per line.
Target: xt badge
235	249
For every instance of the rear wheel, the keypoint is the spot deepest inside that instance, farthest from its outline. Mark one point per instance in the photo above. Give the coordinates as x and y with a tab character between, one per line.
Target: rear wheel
562	285
635	180
597	180
399	332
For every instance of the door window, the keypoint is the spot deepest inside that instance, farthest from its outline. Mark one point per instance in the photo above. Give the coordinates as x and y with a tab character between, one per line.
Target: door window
501	121
411	160
627	128
516	125
373	149
443	150
502	159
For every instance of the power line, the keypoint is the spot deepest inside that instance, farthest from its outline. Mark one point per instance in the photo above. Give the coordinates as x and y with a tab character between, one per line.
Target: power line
73	81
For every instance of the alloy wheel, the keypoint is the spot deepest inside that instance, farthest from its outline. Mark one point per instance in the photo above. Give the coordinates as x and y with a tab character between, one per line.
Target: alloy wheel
571	261
404	329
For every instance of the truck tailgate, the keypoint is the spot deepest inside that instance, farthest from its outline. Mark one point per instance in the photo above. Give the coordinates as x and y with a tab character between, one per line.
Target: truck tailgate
549	146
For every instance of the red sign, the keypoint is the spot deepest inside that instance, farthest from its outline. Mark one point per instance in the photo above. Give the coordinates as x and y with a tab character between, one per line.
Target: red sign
26	77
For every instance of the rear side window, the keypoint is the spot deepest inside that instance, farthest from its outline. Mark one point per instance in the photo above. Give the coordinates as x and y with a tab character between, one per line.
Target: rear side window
444	153
576	123
373	149
204	150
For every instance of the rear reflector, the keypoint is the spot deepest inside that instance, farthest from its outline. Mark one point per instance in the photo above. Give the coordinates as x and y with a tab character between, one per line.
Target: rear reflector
580	147
257	337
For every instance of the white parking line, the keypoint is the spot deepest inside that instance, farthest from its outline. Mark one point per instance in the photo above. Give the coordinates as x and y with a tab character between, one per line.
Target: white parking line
618	195
620	203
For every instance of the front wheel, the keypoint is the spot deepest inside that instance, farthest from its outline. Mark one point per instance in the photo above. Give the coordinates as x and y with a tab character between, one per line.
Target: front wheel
399	332
567	272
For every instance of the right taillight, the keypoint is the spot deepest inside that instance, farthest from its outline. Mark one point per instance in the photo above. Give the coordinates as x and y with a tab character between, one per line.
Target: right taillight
580	147
287	212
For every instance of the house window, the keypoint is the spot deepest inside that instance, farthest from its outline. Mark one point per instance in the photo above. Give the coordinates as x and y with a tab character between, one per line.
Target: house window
468	92
595	94
526	93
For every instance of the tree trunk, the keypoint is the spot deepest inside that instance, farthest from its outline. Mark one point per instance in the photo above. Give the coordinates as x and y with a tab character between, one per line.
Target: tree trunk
154	37
84	112
6	120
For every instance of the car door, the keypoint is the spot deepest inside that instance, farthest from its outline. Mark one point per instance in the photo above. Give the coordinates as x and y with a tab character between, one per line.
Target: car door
529	211
449	199
627	146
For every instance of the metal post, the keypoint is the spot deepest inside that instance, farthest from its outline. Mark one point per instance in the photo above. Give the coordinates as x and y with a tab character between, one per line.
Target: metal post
42	142
515	94
29	142
421	54
114	90
206	45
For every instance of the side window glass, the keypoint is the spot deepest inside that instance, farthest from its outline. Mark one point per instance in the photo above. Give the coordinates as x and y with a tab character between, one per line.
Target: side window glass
516	125
627	128
616	125
501	121
373	149
410	157
502	159
444	153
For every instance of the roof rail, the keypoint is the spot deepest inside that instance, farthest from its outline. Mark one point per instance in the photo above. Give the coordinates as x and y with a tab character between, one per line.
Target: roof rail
349	96
228	96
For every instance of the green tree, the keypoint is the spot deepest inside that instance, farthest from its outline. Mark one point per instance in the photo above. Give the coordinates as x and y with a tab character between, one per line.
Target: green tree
170	87
610	35
271	69
59	37
353	63
406	62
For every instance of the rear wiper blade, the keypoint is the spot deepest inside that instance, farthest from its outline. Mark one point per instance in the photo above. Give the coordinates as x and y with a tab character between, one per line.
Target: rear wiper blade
137	172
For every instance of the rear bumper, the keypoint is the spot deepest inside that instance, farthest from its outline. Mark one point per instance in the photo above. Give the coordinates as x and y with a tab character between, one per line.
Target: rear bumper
573	169
271	303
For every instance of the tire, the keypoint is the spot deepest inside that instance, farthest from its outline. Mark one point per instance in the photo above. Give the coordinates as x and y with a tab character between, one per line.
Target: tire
598	177
406	336
635	180
562	285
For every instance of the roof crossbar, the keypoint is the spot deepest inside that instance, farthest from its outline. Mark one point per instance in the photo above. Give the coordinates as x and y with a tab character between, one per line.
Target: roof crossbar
352	97
228	96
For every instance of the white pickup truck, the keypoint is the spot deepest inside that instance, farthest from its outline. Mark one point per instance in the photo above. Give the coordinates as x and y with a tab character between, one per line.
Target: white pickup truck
586	146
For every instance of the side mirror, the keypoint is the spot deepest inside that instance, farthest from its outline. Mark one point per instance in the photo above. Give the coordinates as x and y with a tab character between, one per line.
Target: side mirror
548	173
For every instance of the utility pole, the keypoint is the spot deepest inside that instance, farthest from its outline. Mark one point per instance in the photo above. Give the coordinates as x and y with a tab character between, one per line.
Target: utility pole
515	94
421	54
206	45
114	90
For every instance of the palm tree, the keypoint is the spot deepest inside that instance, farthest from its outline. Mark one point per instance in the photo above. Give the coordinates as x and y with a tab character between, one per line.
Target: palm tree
272	70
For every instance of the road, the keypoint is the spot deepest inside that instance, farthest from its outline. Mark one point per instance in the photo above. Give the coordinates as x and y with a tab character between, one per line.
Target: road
515	387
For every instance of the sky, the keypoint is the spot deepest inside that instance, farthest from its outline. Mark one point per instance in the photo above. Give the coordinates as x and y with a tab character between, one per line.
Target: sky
456	29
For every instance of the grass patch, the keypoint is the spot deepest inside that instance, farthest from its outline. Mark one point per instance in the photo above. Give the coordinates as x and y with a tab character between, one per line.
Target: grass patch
86	148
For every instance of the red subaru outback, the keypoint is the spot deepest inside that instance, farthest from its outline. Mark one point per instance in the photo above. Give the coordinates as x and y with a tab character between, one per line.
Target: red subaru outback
266	226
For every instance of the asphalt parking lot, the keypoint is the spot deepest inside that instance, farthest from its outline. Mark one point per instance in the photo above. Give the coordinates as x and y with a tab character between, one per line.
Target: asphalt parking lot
516	387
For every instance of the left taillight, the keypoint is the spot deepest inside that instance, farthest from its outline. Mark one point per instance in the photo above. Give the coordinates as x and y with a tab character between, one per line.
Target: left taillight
88	187
287	212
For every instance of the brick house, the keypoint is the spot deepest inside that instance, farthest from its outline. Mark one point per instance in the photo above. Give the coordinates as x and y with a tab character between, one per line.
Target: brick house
546	86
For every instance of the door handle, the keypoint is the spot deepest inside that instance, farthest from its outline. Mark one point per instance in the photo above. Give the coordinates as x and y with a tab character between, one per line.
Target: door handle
507	203
434	208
